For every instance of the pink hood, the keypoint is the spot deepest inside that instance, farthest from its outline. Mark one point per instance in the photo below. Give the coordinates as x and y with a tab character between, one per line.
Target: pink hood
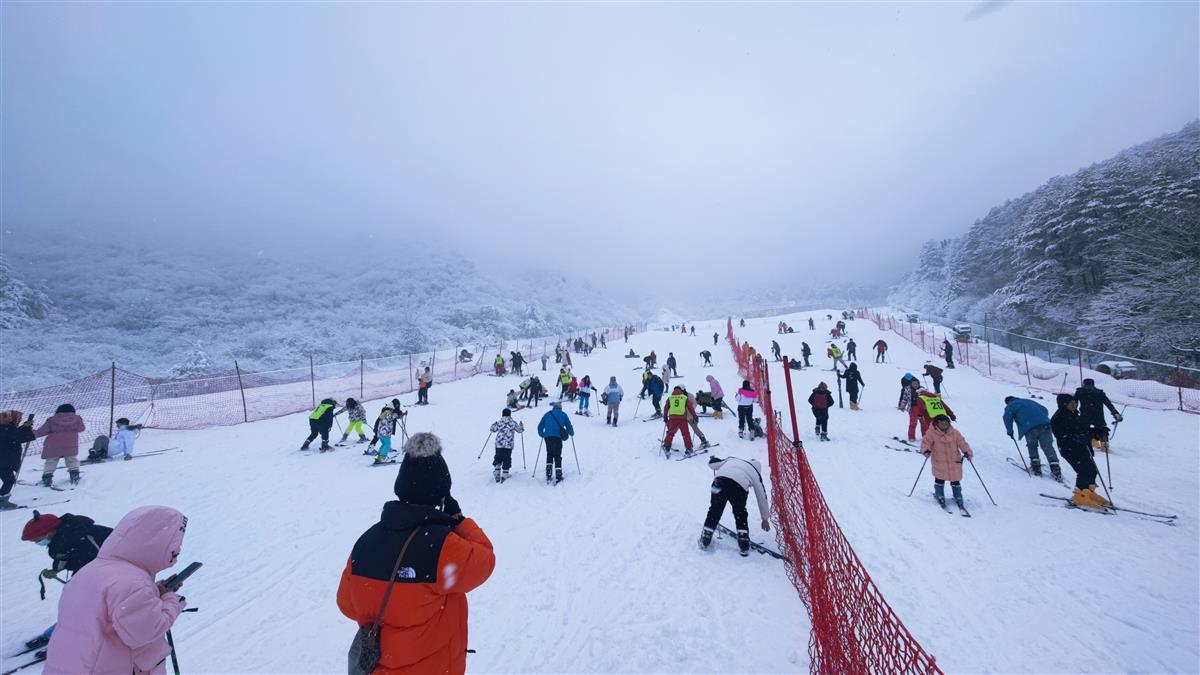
717	392
111	617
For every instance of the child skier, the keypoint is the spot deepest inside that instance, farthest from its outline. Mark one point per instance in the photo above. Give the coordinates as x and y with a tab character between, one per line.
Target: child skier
946	448
585	390
853	380
745	398
504	428
385	427
358	415
821	401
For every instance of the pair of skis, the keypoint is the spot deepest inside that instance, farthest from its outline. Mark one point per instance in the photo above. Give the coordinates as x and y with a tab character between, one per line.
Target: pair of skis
754	545
1030	473
1165	519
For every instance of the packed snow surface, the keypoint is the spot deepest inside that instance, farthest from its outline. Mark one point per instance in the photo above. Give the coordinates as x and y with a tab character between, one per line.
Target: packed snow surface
602	573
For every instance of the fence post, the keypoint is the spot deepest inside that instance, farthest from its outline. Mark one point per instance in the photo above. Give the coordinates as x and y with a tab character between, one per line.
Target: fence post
362	367
989	351
1080	351
1026	357
112	399
312	380
245	412
787	378
1179	382
456	358
410	382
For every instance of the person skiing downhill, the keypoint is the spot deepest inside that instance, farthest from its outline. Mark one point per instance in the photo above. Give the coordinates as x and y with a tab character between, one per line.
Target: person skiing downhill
718	396
853	380
504	429
320	421
880	351
357	415
61	431
676	418
1092	402
1074	442
1033	424
745	398
775	350
735	478
613	394
946	448
554	428
821	401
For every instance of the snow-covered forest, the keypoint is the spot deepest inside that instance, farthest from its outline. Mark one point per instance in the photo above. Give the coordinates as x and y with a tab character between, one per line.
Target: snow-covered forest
1107	257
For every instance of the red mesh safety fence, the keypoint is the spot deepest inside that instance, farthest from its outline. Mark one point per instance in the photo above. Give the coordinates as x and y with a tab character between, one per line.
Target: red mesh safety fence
854	630
1053	367
238	396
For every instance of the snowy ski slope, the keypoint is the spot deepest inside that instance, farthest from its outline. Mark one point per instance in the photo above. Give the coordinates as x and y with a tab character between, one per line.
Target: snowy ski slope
602	574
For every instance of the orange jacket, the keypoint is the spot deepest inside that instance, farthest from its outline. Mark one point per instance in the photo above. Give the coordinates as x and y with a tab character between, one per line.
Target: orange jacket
424	628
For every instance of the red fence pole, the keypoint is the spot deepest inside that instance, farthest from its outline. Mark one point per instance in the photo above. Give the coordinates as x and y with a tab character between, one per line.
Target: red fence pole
112	399
245	411
787	379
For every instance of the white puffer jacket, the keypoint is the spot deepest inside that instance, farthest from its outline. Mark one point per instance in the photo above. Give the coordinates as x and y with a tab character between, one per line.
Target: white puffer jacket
746	473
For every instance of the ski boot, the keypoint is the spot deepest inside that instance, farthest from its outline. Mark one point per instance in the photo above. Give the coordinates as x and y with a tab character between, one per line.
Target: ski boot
704	443
741	434
6	505
344	437
74	473
37	642
853	405
688	452
1035	467
362	438
1056	471
325	446
380	459
503	475
305	446
1099	499
1085	499
743	538
496	472
705	538
817	430
939	493
666	450
824	436
549	473
608	420
718	415
47	479
558	476
956	490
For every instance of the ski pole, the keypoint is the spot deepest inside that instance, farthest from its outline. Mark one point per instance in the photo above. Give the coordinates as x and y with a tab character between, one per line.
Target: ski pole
1117	424
524	465
485	442
576	456
1107	464
989	494
174	658
1102	484
914	487
1020	456
636	407
536	457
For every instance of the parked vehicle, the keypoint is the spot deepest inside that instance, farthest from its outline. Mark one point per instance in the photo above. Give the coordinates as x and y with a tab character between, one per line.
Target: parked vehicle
1118	369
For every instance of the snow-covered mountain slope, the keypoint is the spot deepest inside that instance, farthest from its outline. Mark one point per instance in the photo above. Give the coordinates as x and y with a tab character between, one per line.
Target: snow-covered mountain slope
602	572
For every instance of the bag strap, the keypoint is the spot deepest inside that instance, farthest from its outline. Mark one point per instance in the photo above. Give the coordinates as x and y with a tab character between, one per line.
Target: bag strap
392	581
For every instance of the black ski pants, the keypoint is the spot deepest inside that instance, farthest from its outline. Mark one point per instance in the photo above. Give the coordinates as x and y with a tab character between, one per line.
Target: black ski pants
727	491
503	458
657	401
879	357
674	373
1081	459
853	394
315	428
806	363
937	383
8	478
822	417
745	417
554	447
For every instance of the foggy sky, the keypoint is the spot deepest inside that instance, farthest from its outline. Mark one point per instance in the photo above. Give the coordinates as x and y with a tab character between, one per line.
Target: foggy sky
746	141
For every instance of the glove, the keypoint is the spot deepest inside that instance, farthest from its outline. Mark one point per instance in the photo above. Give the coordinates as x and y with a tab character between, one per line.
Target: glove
925	452
1010	434
953	418
451	507
1118	417
49	573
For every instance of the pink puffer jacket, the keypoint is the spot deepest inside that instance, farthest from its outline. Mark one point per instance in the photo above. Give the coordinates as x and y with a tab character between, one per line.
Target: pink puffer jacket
111	618
62	435
945	450
715	387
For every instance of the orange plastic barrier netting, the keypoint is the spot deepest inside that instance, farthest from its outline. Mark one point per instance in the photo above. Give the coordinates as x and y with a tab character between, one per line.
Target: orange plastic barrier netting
854	630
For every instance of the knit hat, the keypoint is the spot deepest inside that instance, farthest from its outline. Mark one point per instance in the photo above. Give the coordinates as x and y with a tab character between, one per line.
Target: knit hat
939	418
821	385
677	390
506	412
745	384
424	477
1008	399
40	526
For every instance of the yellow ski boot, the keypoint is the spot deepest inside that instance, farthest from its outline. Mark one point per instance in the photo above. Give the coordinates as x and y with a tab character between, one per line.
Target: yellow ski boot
1099	499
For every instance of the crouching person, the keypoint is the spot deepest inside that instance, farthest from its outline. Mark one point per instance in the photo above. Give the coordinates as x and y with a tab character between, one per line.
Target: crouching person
409	574
735	478
113	617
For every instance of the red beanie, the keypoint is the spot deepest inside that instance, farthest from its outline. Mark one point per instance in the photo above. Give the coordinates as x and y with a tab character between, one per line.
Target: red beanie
822	386
40	526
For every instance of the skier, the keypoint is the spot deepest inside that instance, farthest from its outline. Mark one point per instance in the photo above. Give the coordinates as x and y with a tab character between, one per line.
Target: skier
1074	441
741	323
666	377
613	394
358	415
555	428
498	365
653	359
805	351
735	478
1033	424
113	617
512	400
853	380
946	448
603	342
718	396
834	352
948	351
655	387
852	350
564	382
122	441
694	419
423	629
775	350
518	363
585	396
385	428
671	363
925	407
572	388
907	392
536	391
880	351
745	398
320	421
934	373
545	358
61	431
707	356
811	325
13	436
504	429
424	382
558	352
821	401
692	329
1092	402
676	418
645	383
714	339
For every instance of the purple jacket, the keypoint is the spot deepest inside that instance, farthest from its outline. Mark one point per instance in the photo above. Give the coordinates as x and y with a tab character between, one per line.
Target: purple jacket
62	435
111	618
717	392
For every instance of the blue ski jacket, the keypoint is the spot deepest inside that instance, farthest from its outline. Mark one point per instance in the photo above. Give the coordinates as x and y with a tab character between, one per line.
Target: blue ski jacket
1026	413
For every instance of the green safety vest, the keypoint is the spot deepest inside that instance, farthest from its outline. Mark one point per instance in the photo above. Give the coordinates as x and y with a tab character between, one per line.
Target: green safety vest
316	414
835	351
676	404
565	378
934	406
